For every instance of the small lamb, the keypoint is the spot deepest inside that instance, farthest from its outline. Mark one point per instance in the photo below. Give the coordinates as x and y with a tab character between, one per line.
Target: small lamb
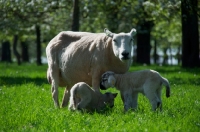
147	82
84	97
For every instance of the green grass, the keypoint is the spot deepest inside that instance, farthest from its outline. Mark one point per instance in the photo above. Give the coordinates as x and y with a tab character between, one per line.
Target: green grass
26	104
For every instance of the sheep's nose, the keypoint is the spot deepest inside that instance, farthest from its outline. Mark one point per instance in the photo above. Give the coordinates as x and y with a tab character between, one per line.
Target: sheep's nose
125	55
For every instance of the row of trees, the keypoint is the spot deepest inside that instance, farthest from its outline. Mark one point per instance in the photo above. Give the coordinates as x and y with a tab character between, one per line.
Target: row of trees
159	24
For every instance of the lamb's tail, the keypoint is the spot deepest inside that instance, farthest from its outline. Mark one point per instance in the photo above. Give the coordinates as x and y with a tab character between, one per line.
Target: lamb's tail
165	82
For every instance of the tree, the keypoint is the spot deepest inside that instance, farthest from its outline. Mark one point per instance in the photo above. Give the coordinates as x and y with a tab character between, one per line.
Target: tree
24	53
75	20
143	42
20	17
38	44
16	53
190	34
6	52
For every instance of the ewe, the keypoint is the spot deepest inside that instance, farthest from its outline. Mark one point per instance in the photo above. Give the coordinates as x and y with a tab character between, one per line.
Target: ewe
83	57
147	82
83	97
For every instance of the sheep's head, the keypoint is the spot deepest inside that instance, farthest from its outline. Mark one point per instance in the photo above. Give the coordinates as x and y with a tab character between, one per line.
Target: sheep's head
109	99
107	80
122	44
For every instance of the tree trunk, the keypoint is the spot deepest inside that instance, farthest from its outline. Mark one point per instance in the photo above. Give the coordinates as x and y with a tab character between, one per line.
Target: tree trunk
38	45
16	53
165	56
6	52
190	34
75	20
25	55
155	55
143	42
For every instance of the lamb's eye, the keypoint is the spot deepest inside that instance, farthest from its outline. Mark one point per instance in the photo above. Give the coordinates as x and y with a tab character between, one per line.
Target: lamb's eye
114	40
131	40
105	79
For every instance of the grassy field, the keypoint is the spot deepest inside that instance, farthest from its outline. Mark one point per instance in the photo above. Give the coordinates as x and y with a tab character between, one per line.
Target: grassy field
26	105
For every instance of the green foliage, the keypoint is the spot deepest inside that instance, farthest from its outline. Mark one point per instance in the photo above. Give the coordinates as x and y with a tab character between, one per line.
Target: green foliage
26	104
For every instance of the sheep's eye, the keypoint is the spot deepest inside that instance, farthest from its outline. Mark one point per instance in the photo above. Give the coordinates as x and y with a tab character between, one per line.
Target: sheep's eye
114	40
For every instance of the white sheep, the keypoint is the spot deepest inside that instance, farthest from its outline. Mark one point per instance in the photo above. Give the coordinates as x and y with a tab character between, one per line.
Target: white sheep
147	82
83	57
84	97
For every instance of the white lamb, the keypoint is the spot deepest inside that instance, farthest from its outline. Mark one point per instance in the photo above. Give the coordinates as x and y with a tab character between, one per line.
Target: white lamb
84	97
147	82
83	57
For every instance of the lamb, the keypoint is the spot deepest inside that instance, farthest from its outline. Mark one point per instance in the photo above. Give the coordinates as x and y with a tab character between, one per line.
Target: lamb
147	82
83	57
84	97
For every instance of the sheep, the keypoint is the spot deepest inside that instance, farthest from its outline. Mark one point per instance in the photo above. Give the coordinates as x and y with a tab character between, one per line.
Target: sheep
147	82
82	57
82	97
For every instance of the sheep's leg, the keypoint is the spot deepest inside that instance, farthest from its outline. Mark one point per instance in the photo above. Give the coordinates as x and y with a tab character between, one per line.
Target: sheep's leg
66	97
96	83
55	96
54	84
72	103
134	100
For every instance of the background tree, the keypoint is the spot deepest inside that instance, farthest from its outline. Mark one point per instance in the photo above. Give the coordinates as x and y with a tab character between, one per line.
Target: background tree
6	52
75	16
190	34
20	18
158	24
16	53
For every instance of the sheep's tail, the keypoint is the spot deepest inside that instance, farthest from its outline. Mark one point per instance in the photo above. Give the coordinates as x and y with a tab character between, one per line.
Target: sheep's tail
48	76
165	82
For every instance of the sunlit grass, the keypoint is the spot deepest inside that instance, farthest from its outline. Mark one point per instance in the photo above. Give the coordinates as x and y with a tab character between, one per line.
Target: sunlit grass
26	104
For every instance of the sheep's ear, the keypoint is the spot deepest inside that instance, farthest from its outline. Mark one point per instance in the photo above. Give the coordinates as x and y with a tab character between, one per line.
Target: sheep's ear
133	32
111	81
108	33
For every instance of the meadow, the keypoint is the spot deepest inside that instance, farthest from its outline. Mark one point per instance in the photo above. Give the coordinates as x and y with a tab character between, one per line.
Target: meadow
26	104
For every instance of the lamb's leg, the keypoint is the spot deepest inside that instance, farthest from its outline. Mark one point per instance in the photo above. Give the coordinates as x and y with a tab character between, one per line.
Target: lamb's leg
134	100
65	99
159	104
153	100
127	100
84	102
122	97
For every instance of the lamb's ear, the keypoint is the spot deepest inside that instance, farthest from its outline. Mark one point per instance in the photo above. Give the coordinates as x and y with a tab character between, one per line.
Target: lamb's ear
133	32
115	95
111	81
108	33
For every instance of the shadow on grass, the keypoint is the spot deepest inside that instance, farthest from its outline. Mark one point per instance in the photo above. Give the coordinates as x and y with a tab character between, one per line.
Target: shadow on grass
22	80
105	111
165	69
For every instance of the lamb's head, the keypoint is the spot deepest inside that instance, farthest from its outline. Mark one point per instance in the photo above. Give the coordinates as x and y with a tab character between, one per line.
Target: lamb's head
122	44
107	80
109	99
